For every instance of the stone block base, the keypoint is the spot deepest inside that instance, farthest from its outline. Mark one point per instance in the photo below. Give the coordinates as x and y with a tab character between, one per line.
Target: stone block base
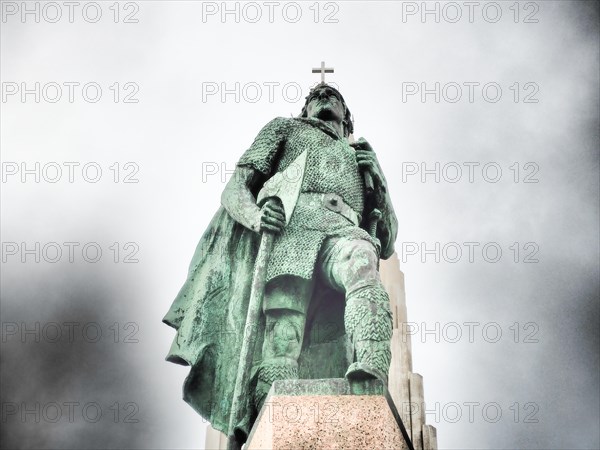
331	414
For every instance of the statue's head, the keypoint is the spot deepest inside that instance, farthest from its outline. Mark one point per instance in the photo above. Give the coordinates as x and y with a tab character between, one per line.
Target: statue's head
326	103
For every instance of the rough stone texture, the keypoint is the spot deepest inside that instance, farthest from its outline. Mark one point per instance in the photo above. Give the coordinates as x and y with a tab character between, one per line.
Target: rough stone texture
429	437
406	387
215	440
398	378
401	364
332	414
418	416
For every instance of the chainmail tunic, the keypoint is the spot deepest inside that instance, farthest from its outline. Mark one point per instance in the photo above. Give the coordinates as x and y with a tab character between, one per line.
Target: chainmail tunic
330	168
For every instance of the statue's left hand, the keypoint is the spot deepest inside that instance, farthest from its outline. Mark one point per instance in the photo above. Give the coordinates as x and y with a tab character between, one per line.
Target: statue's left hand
367	160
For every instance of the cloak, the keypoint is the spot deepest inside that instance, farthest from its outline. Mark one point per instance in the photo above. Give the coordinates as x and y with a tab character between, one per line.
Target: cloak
209	314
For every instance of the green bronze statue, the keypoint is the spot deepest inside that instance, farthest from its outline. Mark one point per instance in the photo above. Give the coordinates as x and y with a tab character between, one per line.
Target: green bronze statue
323	310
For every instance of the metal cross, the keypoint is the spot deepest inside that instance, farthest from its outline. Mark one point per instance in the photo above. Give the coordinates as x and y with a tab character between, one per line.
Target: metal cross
323	70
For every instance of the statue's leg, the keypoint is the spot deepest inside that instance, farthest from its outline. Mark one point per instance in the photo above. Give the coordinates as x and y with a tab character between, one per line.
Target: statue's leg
285	304
350	265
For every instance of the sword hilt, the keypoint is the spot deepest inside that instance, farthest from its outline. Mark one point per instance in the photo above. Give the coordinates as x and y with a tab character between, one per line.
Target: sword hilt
374	218
367	176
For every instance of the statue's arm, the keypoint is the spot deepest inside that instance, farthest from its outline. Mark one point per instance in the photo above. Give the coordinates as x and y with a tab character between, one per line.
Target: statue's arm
387	229
238	201
255	164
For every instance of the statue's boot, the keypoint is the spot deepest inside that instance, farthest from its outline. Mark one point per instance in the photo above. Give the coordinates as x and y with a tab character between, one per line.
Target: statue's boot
368	322
277	368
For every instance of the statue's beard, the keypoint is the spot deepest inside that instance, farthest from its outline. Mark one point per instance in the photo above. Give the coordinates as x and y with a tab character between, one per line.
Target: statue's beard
326	112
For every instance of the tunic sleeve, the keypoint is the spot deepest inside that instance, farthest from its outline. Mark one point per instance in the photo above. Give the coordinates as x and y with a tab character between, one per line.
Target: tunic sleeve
265	147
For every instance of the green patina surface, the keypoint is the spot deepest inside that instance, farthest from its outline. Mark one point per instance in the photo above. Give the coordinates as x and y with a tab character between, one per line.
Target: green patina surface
210	311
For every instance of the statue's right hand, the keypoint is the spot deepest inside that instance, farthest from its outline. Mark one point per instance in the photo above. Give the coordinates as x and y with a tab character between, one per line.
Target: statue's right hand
272	217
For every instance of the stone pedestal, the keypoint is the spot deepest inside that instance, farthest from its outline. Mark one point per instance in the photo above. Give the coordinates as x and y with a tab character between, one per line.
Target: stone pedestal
330	413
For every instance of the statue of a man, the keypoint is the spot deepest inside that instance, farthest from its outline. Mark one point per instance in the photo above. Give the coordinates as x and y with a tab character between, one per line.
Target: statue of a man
323	269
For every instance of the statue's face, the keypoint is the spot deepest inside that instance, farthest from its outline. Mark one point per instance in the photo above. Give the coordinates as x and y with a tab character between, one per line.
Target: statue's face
324	103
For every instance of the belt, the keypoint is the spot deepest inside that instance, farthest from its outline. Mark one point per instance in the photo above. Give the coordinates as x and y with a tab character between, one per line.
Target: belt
333	202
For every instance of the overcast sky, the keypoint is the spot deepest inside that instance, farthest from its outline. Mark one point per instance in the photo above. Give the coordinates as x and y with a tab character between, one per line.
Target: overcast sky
484	119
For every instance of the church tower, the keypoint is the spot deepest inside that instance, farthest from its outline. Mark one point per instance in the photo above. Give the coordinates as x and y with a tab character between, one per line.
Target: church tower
405	386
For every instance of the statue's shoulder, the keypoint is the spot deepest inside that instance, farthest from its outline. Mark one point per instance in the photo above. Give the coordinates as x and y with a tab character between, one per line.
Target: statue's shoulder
281	128
287	123
275	129
279	123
